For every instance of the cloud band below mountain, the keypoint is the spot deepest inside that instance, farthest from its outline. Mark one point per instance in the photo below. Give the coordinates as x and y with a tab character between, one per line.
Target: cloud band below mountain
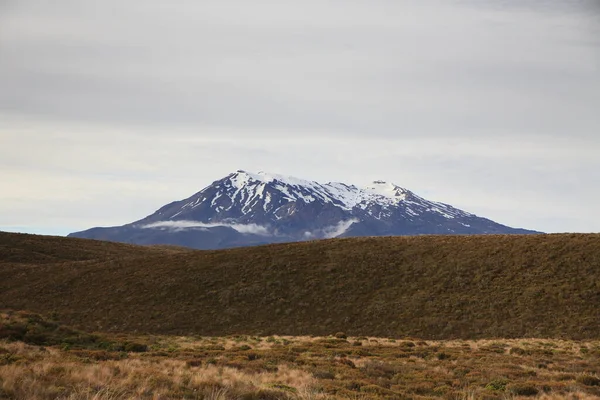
255	229
182	225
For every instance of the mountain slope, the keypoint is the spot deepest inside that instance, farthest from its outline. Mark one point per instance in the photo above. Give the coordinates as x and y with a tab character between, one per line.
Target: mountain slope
433	287
248	209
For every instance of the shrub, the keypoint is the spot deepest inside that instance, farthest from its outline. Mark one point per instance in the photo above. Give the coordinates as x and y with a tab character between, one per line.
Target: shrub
283	387
565	377
588	380
214	347
6	359
38	338
194	363
133	347
497	384
520	351
347	362
323	374
523	390
376	369
267	394
13	332
376	390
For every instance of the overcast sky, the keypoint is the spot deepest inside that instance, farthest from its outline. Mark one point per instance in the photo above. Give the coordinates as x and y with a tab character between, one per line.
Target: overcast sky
110	109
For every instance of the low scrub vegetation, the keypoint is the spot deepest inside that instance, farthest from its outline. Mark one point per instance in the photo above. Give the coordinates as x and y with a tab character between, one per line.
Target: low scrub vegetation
103	366
367	318
432	287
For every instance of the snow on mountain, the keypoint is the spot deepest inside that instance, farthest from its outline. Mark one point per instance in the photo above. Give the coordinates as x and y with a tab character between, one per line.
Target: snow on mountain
247	208
245	190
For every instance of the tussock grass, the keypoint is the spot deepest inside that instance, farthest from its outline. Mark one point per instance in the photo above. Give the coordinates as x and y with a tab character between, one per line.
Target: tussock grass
303	368
288	367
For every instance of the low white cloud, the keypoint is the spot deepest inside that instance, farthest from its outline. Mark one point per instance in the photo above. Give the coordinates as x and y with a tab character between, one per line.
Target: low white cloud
251	228
331	231
327	232
182	225
338	229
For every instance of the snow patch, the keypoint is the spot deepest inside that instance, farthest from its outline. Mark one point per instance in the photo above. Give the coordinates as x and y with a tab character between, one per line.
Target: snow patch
388	190
251	192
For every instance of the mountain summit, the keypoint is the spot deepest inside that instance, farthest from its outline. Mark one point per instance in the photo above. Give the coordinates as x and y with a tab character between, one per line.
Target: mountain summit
245	209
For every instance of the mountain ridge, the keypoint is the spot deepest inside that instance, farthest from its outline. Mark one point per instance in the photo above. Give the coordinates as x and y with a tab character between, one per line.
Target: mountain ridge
245	208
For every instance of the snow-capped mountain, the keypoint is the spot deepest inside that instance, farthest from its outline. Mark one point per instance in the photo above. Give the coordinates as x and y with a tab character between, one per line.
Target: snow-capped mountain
248	209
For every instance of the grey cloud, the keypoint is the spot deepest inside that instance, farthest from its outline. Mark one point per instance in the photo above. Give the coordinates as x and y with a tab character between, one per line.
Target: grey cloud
382	68
488	105
107	181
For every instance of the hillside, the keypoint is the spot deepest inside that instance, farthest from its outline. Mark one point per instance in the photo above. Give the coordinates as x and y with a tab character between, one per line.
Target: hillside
431	287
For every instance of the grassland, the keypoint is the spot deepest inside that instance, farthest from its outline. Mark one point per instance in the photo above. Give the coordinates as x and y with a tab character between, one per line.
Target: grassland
40	359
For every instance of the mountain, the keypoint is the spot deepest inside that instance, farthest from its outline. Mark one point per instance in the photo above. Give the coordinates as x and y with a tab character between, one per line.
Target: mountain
246	209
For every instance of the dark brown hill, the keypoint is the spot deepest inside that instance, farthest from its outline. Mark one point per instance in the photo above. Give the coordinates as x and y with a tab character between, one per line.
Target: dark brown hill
427	286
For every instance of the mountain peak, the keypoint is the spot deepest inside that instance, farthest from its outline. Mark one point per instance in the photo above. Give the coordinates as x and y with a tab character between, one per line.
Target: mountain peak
243	177
388	190
246	208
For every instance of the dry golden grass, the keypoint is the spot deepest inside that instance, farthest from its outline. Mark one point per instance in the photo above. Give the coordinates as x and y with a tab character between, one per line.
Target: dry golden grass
287	367
41	373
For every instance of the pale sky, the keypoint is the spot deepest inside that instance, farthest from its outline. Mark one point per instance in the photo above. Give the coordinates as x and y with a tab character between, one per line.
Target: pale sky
110	109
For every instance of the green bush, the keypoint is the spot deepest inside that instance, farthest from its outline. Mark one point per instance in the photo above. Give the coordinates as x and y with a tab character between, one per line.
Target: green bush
497	384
